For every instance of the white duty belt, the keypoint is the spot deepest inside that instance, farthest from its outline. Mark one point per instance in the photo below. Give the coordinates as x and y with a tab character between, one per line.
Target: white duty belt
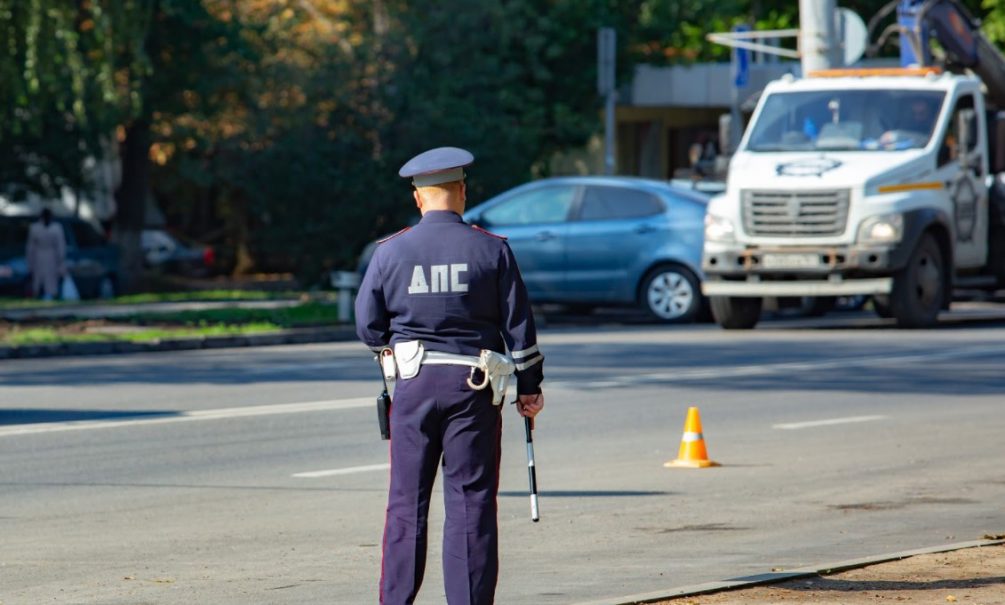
410	355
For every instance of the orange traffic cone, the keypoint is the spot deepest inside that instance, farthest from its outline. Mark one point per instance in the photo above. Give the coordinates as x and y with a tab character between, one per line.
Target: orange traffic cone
692	452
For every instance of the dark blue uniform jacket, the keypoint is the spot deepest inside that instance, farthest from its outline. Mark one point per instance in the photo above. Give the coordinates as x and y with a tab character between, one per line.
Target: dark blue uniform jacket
454	287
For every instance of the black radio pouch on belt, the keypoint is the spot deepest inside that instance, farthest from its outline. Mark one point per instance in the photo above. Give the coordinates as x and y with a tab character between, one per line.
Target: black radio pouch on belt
384	415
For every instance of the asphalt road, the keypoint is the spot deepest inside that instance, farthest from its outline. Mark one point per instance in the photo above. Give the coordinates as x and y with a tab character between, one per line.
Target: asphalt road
257	476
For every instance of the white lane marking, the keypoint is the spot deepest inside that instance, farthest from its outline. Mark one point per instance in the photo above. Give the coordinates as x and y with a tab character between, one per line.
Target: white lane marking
217	414
813	423
343	471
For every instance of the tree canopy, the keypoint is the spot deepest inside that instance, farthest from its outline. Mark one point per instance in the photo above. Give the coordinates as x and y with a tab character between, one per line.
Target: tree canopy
275	128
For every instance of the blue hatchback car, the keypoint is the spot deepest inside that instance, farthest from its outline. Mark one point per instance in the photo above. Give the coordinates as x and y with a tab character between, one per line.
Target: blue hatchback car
590	241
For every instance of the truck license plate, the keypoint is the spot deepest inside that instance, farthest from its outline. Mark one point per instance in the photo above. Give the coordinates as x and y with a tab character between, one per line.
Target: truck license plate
790	261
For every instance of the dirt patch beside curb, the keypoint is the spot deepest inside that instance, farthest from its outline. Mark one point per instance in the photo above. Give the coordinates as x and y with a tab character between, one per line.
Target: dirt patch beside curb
971	576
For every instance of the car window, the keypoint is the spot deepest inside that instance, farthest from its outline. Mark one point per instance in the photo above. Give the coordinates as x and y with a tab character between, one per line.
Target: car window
86	235
544	205
606	203
14	232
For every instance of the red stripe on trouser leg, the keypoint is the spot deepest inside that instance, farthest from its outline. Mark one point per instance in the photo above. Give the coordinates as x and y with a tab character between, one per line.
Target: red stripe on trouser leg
470	487
383	540
416	451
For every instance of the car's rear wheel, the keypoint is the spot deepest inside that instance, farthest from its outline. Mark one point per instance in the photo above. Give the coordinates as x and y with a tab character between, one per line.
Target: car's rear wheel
671	294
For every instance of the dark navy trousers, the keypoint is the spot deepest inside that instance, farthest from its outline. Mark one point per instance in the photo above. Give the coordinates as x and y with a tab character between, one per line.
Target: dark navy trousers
435	416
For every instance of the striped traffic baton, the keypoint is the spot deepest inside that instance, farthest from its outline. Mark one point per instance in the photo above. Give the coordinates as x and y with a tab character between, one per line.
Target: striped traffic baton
528	424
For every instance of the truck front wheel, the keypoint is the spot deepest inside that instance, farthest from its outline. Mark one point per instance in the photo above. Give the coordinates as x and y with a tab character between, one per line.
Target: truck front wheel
919	288
735	313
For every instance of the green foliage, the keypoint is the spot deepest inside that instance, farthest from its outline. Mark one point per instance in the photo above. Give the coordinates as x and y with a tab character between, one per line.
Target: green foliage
203	296
55	335
308	314
994	20
276	127
62	94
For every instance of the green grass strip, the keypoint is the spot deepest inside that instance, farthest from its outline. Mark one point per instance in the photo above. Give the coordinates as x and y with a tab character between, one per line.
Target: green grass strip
138	299
306	314
48	336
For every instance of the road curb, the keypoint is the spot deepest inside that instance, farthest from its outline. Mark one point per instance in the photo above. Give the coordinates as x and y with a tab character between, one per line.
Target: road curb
285	337
782	576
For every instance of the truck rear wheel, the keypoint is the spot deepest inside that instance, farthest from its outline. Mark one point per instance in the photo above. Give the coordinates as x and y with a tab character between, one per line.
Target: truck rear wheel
919	288
735	313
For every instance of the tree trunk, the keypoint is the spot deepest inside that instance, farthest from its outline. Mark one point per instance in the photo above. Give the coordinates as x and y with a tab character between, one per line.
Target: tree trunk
131	202
245	262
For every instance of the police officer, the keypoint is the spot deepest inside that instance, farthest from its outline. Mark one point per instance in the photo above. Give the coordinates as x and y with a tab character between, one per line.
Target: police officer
442	293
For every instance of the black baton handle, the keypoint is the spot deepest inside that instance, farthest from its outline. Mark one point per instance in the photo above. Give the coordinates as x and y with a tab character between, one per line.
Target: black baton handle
531	470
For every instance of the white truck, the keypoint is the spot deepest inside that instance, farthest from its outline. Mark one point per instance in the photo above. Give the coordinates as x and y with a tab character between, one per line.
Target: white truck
870	182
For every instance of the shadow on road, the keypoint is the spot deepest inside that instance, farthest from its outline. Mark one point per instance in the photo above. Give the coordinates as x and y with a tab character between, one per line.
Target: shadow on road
15	416
619	357
193	486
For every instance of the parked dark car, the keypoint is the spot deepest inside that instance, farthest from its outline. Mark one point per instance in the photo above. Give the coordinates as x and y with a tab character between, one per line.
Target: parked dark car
590	241
169	253
91	260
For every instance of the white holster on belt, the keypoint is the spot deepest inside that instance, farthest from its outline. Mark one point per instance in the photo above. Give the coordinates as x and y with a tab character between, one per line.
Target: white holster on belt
497	368
386	359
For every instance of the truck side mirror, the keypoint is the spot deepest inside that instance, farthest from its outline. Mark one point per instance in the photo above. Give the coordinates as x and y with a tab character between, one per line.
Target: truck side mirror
727	142
967	128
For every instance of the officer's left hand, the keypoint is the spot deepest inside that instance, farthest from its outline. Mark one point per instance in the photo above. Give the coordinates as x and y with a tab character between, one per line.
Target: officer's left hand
530	405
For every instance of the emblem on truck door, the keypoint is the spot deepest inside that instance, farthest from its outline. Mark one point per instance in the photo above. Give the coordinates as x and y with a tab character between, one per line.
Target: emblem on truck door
964	206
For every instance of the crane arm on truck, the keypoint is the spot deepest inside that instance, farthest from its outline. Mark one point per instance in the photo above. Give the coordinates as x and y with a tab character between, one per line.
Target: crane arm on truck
959	34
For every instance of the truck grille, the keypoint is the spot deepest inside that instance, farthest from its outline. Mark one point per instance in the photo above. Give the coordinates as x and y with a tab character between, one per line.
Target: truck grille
795	213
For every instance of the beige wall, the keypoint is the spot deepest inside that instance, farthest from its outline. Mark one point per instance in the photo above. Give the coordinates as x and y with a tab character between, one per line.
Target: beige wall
651	142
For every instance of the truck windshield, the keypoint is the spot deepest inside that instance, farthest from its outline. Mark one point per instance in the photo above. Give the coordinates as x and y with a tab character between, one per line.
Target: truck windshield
846	120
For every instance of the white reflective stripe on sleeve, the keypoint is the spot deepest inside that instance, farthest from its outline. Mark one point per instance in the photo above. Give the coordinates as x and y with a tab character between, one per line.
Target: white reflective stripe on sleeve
524	353
529	363
688	437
